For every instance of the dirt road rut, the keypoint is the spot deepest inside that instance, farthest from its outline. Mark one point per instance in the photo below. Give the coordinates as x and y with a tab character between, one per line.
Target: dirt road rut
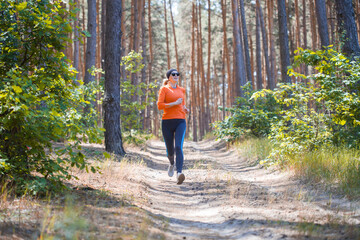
224	197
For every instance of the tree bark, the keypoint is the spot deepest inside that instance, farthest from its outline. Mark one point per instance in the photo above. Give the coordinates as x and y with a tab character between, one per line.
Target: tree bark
176	49
272	44
246	42
91	41
151	59
201	78
258	51
226	52
76	41
113	139
270	79
239	56
193	91
297	17
313	25
347	26
167	37
284	41
144	114
322	22
207	89
306	72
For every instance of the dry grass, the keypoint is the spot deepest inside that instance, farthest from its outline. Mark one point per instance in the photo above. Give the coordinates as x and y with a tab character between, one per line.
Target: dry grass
97	206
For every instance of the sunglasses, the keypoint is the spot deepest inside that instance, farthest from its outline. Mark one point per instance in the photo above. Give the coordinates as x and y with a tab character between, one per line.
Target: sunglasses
175	74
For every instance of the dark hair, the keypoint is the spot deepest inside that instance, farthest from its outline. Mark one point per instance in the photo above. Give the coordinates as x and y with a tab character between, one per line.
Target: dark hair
169	72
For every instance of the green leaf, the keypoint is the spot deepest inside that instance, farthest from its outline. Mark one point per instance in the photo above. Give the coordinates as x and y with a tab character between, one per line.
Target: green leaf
17	89
106	155
21	6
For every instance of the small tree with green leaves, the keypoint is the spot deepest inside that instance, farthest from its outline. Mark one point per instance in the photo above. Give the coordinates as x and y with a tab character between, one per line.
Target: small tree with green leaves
130	116
40	101
324	112
247	117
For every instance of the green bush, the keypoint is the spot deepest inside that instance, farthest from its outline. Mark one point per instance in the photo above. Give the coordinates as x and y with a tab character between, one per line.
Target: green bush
134	99
247	117
321	113
40	100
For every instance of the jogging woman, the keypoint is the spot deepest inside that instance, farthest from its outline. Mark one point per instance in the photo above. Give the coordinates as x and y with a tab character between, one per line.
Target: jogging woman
172	101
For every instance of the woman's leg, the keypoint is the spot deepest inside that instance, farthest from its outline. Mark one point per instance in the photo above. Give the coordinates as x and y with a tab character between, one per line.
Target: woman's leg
168	134
179	141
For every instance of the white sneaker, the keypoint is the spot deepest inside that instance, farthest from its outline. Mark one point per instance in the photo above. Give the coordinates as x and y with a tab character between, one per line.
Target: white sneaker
171	170
180	178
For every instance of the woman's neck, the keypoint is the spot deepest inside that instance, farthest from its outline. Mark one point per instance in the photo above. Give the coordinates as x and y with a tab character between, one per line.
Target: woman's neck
172	84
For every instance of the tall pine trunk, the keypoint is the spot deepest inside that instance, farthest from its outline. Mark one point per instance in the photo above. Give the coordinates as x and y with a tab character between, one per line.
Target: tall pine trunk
270	79
167	37
246	43
272	44
322	22
76	41
347	26
193	91
259	84
239	56
144	118
226	53
207	89
113	139
173	28
284	41
91	41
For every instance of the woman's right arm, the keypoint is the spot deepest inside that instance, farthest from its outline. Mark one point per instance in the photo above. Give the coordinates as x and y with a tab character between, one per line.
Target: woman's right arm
161	101
177	102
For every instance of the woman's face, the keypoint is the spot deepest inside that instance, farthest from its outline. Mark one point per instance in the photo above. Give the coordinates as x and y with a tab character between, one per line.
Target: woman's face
174	77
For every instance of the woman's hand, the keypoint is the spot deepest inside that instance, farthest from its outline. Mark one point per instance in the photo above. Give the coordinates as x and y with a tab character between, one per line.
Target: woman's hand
177	102
186	109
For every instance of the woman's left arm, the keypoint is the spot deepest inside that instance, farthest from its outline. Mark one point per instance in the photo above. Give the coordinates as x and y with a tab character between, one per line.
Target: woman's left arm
187	110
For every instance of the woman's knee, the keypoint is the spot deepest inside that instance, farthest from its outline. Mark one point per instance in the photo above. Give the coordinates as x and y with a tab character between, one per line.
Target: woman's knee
178	148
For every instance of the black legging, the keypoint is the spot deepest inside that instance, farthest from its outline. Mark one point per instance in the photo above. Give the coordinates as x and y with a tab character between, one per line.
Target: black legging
177	127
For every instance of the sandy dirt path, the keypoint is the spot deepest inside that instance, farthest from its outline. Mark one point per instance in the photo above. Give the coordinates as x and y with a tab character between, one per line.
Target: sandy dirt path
224	197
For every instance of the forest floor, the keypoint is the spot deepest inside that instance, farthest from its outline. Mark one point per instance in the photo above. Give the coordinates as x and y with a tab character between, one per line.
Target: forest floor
223	197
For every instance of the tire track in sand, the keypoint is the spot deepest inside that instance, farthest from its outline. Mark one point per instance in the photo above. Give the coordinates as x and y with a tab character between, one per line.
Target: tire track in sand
223	197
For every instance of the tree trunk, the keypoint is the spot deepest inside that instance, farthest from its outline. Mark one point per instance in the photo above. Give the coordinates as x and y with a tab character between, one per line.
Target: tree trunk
272	44
347	26
239	56
167	37
284	41
322	22
357	13
200	75
258	51
76	40
223	85
143	71
151	59
193	92
207	89
98	62
313	25
270	79
91	41
297	17
306	72
113	139
123	42
176	50
246	42
226	52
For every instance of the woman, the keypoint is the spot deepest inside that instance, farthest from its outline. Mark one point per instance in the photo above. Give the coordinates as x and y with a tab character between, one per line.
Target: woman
172	101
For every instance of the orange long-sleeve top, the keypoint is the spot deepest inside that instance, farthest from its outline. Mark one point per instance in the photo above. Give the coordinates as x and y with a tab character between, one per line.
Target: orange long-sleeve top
168	94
